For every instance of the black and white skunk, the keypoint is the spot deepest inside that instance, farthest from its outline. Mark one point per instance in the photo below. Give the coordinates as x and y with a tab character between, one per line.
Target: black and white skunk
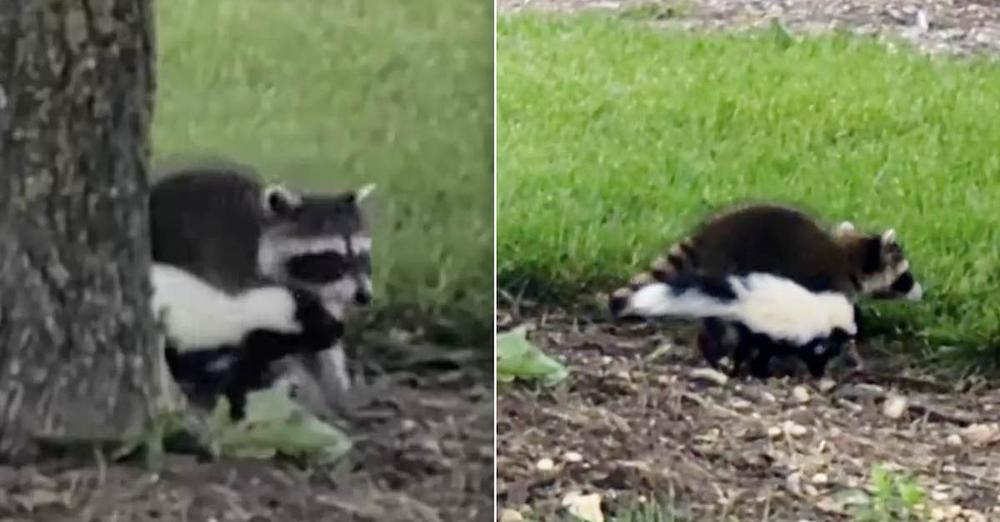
224	344
770	316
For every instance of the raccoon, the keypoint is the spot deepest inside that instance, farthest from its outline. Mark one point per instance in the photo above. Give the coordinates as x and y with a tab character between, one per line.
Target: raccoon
222	224
768	316
784	241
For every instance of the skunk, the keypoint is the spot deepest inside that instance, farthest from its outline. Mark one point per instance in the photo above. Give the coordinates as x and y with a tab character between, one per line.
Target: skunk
771	315
224	344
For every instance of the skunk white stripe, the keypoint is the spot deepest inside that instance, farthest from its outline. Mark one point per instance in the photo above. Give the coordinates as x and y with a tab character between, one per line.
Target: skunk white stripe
765	303
197	315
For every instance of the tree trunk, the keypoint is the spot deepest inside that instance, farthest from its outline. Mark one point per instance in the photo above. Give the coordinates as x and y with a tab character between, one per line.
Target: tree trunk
76	333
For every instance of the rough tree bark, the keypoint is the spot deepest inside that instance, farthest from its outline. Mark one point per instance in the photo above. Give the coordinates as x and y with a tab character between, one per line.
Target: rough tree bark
76	334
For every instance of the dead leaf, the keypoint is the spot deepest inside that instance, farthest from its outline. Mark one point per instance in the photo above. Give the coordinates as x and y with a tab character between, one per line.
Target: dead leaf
586	507
981	434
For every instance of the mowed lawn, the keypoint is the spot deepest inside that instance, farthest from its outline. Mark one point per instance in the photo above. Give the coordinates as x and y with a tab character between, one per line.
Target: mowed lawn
333	95
615	138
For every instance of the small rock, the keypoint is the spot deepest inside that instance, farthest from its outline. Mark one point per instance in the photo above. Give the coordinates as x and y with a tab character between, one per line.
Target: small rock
793	430
774	432
509	515
741	404
922	21
946	512
810	490
981	434
954	440
826	384
794	483
768	397
894	406
584	507
820	479
606	360
939	496
801	394
545	465
709	374
868	388
408	425
572	456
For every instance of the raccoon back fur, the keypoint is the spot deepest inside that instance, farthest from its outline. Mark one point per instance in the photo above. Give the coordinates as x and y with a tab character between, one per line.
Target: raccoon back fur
785	241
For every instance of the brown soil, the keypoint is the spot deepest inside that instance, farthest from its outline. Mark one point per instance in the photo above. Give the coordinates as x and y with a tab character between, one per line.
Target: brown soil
423	453
647	426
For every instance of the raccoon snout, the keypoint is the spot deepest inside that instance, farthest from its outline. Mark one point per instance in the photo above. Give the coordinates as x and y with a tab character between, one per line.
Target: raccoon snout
362	297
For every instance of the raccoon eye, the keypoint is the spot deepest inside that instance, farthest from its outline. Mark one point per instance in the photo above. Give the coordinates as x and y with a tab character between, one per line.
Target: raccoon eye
363	262
321	267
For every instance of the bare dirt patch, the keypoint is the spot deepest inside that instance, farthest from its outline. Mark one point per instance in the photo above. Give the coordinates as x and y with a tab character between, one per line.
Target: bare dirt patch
423	452
625	424
962	27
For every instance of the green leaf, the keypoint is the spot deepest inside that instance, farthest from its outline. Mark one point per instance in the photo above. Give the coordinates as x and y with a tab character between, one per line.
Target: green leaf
518	358
276	424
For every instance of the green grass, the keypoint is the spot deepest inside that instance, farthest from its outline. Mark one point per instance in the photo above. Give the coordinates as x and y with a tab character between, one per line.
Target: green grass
615	138
331	95
896	498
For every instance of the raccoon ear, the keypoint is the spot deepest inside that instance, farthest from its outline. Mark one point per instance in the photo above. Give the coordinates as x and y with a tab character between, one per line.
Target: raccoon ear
844	228
889	237
278	201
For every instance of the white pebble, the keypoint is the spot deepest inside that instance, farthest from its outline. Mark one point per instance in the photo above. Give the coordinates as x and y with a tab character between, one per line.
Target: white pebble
545	465
509	515
793	429
572	456
711	375
894	406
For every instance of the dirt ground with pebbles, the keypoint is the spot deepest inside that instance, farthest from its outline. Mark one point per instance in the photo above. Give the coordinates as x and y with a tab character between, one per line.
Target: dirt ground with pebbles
423	452
961	27
640	415
625	423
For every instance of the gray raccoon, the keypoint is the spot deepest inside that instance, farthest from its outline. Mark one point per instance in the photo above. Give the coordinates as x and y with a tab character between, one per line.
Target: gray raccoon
787	242
222	224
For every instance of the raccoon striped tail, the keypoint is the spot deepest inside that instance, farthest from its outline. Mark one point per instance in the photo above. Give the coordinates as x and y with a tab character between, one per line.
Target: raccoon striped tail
679	259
